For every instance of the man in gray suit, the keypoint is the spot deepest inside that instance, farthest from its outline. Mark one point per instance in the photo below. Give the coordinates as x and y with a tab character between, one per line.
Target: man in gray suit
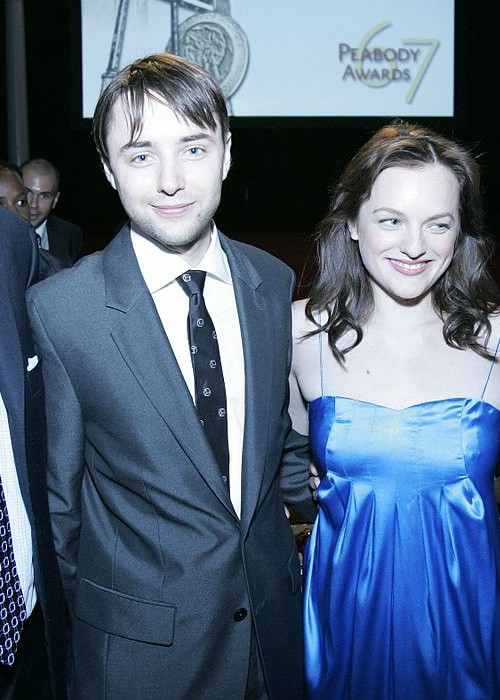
171	455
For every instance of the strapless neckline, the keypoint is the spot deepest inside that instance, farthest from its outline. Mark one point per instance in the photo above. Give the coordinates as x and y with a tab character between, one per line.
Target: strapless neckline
421	404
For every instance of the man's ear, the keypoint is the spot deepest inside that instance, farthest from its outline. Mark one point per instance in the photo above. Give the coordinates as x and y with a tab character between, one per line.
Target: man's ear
353	230
56	199
109	175
227	155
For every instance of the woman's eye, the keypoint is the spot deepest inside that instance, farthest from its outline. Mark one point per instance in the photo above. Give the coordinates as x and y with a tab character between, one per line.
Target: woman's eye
440	227
140	158
391	222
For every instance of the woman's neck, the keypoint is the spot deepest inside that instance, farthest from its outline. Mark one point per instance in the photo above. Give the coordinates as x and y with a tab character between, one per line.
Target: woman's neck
401	315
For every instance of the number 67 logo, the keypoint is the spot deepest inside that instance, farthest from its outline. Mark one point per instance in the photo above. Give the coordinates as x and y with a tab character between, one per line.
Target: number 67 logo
432	44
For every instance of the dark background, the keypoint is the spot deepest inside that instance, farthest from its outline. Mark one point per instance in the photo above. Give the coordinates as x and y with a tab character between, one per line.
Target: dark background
277	189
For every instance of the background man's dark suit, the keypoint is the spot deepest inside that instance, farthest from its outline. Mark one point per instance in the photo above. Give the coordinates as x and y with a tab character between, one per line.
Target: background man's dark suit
162	576
65	240
23	397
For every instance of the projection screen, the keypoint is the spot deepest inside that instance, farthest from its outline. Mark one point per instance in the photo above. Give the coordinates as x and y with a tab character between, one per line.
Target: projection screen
287	58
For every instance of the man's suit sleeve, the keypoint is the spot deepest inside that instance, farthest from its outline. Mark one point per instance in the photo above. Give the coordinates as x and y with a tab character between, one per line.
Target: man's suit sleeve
65	450
294	479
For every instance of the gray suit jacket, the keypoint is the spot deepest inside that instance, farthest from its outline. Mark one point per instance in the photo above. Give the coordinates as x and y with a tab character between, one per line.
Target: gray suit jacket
158	570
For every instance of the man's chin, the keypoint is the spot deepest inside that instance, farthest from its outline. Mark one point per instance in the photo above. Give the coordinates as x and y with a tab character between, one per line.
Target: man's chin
178	244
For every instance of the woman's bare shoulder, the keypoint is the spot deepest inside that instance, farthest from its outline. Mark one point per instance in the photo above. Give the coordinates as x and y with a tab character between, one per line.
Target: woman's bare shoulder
494	319
302	325
494	338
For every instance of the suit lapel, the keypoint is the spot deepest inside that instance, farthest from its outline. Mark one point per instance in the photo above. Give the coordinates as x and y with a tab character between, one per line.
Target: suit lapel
13	383
52	238
57	243
11	367
257	338
139	335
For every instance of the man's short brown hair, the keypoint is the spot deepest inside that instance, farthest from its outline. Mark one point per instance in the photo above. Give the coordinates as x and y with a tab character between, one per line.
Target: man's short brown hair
189	91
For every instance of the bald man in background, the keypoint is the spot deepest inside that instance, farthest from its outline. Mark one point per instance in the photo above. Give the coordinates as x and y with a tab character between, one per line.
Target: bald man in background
13	198
62	238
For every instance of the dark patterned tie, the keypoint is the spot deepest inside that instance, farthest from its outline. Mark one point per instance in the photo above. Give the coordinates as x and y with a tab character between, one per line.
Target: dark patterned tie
12	607
210	392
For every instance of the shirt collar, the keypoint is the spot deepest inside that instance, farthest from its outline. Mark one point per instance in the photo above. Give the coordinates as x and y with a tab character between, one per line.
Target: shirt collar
42	229
160	267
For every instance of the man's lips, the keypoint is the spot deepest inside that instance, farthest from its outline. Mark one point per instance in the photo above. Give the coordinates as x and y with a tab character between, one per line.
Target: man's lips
409	268
172	209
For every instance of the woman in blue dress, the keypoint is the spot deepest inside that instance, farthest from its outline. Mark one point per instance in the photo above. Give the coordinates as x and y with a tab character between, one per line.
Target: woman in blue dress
395	380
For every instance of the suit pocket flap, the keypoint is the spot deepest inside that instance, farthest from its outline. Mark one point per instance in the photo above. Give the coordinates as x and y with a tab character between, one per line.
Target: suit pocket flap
124	615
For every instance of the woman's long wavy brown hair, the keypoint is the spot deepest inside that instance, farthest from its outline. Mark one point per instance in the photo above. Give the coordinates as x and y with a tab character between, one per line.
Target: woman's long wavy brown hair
463	297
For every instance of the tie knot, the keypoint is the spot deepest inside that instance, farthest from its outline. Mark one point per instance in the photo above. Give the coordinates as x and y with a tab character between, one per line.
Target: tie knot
192	281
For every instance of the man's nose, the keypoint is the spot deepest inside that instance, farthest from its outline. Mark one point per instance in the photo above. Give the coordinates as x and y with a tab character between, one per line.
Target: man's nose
171	178
32	198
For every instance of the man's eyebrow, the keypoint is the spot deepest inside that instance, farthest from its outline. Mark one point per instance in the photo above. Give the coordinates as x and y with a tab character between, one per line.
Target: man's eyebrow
136	144
198	136
35	191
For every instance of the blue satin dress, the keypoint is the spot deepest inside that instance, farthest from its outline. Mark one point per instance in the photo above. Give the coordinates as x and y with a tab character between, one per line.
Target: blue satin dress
402	583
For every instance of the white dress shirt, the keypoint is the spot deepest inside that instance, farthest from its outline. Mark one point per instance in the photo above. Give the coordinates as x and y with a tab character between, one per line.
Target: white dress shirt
18	518
44	236
160	270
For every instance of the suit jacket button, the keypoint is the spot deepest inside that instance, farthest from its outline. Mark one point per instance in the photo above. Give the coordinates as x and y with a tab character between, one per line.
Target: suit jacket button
240	614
